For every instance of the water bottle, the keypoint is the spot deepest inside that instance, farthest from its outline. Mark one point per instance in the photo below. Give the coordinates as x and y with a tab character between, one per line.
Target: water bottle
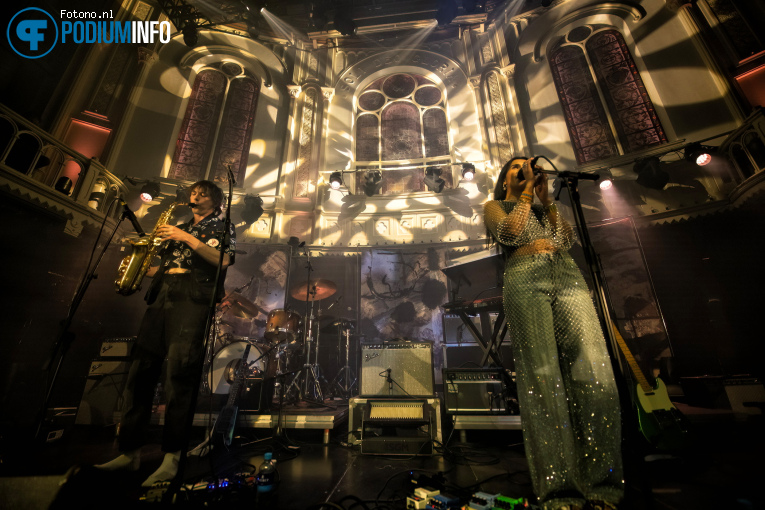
266	478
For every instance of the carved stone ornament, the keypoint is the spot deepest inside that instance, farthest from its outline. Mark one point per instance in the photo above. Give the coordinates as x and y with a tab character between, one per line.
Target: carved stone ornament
328	93
294	90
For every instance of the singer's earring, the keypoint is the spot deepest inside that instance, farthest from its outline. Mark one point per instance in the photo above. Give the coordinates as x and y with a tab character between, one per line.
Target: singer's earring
504	186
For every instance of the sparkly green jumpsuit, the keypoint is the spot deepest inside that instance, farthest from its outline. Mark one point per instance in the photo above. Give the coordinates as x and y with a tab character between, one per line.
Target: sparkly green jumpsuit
568	398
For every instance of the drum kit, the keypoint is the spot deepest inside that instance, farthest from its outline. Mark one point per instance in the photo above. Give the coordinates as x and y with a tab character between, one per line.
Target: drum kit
286	349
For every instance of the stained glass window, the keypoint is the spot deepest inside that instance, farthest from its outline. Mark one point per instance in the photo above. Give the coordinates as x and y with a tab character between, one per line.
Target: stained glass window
606	106
217	126
401	127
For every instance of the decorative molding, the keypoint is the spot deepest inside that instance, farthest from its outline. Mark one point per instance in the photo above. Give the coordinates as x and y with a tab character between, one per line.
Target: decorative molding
499	116
147	56
621	10
190	59
305	142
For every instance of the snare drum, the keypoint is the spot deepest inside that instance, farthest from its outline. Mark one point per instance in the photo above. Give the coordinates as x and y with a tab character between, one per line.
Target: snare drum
226	361
283	326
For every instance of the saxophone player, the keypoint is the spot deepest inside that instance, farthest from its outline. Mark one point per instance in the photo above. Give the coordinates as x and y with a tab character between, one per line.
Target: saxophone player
173	328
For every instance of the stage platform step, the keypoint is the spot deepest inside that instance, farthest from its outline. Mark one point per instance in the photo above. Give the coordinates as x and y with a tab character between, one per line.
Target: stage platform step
333	414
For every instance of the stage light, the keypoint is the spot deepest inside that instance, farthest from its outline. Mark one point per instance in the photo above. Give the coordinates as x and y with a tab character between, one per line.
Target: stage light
373	183
468	171
253	209
606	183
650	173
150	191
446	12
336	180
433	179
699	154
64	185
344	23
182	195
190	36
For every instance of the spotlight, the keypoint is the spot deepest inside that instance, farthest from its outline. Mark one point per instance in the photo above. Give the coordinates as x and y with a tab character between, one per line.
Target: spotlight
253	209
64	185
344	23
433	179
468	171
149	191
446	12
336	180
373	183
650	173
606	183
190	36
699	154
471	6
182	195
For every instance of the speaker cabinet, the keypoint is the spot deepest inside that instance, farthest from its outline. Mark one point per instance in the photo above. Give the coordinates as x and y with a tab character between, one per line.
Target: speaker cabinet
102	397
411	369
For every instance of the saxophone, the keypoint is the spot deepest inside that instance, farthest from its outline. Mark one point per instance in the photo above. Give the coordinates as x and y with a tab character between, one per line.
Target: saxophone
135	266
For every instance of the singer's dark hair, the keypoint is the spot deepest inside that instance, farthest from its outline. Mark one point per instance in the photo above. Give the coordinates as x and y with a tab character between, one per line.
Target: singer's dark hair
500	194
213	191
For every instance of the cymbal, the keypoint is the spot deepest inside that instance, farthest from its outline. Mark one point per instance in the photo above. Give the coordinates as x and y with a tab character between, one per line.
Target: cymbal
240	306
313	290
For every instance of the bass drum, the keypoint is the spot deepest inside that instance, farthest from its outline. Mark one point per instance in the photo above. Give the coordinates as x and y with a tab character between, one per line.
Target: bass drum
226	361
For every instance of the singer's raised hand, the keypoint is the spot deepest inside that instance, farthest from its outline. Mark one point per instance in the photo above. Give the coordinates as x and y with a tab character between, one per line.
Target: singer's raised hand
541	189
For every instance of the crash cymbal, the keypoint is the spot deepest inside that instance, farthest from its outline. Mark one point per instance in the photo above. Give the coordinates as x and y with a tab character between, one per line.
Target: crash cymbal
314	290
240	306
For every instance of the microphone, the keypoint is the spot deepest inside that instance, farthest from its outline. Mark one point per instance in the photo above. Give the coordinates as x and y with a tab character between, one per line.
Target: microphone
231	175
127	213
532	164
334	303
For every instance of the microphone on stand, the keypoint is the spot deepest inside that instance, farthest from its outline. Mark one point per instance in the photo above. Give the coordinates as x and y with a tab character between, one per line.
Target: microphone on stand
127	213
334	303
532	164
231	175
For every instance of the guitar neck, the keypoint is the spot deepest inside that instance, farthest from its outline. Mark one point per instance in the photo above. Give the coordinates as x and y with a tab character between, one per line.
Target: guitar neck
631	361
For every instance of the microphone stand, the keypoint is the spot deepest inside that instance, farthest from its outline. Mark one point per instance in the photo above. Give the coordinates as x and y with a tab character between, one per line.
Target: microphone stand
570	180
66	337
176	483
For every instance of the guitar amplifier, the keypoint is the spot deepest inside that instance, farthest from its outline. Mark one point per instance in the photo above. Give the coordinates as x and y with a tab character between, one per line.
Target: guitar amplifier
410	364
102	397
117	347
478	391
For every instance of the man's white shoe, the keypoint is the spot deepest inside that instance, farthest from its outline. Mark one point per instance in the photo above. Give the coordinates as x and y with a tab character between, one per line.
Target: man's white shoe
128	461
166	471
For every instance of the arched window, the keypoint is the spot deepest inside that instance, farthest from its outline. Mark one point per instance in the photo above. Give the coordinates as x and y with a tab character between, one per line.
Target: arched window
607	109
217	127
401	128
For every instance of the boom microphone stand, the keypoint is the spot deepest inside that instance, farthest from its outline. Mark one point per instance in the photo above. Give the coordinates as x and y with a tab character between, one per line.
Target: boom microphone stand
570	180
66	337
176	483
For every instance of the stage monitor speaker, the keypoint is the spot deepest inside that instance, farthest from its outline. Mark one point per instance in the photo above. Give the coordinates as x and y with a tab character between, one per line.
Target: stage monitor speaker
102	397
410	364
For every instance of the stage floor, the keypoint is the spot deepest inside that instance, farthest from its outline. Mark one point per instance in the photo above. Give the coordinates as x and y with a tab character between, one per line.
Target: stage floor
720	469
